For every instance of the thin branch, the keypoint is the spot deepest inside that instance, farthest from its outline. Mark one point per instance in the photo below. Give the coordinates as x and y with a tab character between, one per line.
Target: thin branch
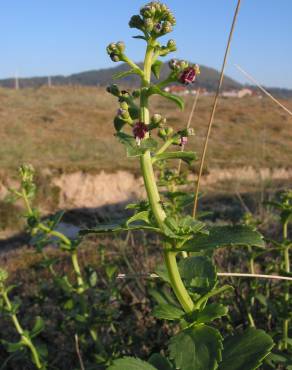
78	352
252	79
214	108
188	125
223	274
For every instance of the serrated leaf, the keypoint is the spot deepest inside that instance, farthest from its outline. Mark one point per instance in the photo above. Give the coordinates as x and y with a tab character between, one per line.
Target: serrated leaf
223	236
167	312
187	157
246	351
156	67
198	273
176	99
160	362
197	348
38	327
207	314
130	363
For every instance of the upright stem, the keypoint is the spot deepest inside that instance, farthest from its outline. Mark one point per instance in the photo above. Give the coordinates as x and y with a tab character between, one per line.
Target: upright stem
287	295
24	339
153	194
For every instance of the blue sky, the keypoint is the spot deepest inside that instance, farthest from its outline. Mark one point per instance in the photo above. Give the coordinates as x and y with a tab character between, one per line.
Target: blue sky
47	37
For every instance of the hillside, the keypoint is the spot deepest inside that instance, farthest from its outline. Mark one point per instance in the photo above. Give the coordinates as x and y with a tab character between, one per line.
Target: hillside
208	78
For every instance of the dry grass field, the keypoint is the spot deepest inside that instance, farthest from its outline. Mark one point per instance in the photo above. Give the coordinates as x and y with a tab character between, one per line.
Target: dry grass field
70	128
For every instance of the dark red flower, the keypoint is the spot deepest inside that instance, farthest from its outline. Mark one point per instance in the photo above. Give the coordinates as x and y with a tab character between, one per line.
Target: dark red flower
189	75
139	131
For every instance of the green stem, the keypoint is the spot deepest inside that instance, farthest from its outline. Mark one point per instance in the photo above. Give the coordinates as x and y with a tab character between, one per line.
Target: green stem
287	295
75	263
176	281
24	339
153	194
164	146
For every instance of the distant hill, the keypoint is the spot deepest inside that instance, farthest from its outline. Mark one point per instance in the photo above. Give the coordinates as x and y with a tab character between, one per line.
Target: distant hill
208	79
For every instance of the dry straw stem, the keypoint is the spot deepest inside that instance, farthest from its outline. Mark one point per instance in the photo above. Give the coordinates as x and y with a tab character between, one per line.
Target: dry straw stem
252	79
188	125
222	274
78	352
214	108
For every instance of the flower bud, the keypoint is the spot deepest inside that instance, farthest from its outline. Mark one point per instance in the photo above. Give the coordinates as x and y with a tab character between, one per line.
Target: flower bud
173	64
167	27
119	123
114	57
148	24
169	131
171	19
124	105
113	89
156	119
136	94
147	11
121	46
171	44
136	22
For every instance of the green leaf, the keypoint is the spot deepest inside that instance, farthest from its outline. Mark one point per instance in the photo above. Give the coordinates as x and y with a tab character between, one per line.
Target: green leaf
208	313
118	226
38	327
197	348
133	150
130	363
176	99
187	157
139	37
167	312
223	236
246	351
160	362
123	74
198	273
12	347
156	67
140	216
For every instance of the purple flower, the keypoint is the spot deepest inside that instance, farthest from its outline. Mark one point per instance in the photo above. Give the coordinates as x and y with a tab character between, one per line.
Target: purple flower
139	131
188	75
183	141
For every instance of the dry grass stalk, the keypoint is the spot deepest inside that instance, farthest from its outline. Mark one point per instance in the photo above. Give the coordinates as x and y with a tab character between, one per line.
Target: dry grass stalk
78	352
188	125
223	274
214	108
253	80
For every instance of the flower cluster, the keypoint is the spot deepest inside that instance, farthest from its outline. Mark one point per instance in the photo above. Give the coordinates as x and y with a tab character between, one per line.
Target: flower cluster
116	51
155	19
186	74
